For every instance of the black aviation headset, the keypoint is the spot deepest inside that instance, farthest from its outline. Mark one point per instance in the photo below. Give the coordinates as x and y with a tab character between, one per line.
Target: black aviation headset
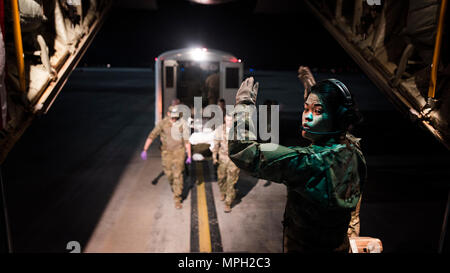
345	113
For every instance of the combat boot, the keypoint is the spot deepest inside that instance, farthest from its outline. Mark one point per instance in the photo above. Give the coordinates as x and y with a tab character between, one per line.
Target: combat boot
178	205
227	209
222	196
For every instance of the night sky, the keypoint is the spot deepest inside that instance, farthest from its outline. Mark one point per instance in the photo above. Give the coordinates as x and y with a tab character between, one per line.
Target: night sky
273	37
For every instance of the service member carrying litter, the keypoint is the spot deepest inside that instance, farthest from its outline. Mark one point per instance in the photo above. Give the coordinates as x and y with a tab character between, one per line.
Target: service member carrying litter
227	172
175	145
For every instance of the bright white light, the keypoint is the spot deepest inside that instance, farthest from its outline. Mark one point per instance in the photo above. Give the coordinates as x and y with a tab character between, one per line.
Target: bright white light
198	54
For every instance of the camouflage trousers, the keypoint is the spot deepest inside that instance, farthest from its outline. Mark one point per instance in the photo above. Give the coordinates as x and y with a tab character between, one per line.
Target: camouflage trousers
227	176
173	166
291	244
354	225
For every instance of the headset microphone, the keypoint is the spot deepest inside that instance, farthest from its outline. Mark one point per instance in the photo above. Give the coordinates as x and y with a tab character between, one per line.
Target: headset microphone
321	133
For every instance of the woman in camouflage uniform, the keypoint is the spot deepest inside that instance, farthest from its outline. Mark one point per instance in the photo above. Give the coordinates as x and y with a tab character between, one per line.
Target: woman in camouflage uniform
323	180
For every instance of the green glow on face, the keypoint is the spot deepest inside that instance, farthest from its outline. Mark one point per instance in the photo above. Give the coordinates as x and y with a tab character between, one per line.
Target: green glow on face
316	117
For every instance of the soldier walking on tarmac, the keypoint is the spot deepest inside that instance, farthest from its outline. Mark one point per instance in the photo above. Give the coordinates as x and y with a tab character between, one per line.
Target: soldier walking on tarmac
227	172
175	146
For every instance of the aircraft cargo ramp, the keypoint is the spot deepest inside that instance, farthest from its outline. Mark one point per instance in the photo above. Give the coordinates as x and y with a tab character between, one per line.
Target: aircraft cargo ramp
395	44
43	43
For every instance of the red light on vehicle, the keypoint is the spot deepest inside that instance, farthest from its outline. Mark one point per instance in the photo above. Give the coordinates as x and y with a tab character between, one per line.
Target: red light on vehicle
233	60
156	59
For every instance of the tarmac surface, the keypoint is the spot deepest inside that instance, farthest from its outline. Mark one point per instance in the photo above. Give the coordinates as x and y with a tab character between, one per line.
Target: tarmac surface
76	175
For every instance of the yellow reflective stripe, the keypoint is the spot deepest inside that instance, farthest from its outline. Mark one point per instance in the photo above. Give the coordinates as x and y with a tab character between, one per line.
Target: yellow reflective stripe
437	50
18	44
204	234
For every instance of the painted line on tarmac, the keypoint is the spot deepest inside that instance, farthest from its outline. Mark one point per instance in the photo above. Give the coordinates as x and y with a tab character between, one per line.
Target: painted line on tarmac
204	235
194	216
216	240
205	232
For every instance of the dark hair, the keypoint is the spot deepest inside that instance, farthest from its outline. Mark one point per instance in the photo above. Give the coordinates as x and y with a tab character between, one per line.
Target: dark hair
345	112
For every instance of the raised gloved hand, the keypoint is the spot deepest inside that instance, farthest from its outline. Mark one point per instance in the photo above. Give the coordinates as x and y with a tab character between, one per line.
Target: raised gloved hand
247	92
307	78
188	160
144	155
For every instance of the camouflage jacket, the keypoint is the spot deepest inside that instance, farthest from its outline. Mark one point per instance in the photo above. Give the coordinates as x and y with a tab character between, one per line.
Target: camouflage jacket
221	144
324	182
170	142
